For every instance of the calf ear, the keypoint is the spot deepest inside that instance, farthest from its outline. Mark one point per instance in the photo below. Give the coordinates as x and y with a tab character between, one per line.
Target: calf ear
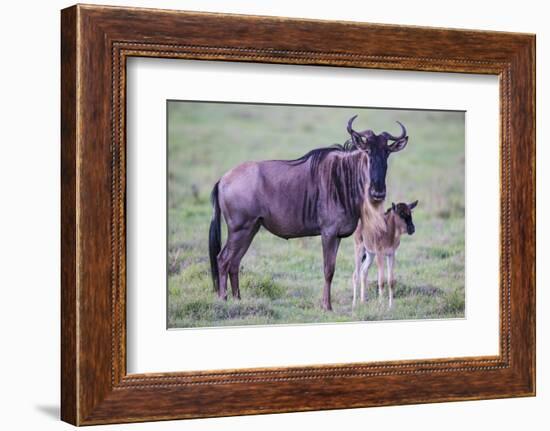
412	205
398	145
393	206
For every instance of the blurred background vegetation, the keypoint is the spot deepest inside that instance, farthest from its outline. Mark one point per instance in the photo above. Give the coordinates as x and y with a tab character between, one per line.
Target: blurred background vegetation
282	281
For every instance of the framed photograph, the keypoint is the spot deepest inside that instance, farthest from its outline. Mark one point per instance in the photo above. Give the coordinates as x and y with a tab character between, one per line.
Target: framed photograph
263	214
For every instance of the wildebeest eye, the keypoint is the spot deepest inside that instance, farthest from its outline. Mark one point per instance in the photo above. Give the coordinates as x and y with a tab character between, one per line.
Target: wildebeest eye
404	214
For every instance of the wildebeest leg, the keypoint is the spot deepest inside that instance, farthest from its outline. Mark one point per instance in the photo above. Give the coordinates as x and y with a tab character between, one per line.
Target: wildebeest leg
359	252
380	265
222	270
243	238
238	241
330	250
391	281
365	275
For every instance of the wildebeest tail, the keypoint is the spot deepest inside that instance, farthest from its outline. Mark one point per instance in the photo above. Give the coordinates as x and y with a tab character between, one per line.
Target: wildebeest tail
215	237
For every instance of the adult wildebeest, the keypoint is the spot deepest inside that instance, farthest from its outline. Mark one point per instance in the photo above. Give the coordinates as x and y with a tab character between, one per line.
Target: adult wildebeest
324	192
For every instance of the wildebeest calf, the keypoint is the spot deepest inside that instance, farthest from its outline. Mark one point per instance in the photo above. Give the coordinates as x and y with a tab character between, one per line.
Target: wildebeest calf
398	220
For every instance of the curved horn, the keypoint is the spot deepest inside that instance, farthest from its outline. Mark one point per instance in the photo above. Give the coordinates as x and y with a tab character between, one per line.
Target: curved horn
350	129
396	138
357	137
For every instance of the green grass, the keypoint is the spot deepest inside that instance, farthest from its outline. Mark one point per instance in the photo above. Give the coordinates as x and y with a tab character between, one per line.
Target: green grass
282	281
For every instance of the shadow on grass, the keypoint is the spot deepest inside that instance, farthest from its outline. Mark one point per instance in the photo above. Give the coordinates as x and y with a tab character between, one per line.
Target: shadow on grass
402	291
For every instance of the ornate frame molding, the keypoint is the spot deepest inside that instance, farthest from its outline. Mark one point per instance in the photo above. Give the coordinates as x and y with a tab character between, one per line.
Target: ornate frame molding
96	41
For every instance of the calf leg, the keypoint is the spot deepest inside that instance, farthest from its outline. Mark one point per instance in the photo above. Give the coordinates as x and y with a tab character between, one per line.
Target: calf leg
391	280
380	264
359	251
365	275
330	250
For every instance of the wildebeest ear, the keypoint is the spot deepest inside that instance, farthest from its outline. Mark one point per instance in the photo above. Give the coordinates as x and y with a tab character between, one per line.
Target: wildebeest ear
393	206
360	141
398	145
412	205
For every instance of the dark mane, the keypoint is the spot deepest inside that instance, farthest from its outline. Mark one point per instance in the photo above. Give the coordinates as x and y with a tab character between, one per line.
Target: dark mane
319	154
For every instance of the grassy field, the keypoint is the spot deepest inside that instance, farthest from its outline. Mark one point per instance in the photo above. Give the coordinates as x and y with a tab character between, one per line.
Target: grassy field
282	281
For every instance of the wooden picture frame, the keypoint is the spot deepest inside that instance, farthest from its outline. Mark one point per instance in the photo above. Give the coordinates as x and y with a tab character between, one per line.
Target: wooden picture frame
95	43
